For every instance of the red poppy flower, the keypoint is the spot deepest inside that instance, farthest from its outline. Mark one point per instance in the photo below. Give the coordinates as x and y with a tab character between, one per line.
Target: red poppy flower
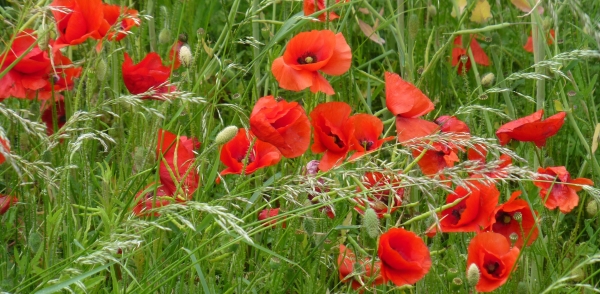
451	124
149	73
367	129
76	20
404	99
472	214
381	190
312	169
6	202
371	274
35	75
459	51
147	199
561	191
282	124
176	156
333	132
174	54
235	152
494	258
5	145
268	214
550	40
405	258
309	8
531	128
112	14
479	153
308	53
47	114
504	221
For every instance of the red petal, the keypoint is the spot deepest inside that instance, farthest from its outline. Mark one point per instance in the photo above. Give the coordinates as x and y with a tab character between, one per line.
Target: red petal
404	99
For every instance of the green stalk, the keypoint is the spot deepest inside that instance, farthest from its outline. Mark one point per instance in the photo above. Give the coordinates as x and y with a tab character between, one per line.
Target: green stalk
256	36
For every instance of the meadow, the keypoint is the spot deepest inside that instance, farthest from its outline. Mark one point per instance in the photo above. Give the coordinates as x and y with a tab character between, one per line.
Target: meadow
289	146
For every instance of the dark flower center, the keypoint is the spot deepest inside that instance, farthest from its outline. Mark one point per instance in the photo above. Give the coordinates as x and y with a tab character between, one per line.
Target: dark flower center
307	58
366	144
493	268
503	217
458	211
241	158
337	140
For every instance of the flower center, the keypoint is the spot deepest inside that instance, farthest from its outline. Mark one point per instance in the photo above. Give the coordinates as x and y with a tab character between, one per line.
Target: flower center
366	144
307	58
503	217
337	140
492	267
457	212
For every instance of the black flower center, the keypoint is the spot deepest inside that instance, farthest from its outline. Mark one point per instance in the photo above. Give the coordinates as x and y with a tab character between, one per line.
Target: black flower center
492	268
366	144
503	217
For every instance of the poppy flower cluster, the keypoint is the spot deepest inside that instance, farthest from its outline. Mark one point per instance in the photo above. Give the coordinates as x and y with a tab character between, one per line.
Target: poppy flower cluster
245	154
385	194
309	53
368	274
178	177
312	6
557	189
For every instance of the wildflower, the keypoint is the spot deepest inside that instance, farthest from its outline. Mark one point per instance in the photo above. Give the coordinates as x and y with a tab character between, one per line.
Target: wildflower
235	152
549	39
36	75
381	188
174	56
282	124
226	135
149	73
525	5
5	146
531	128
562	191
6	202
308	53
312	169
479	153
493	256
112	13
481	12
333	133
367	129
77	20
312	6
269	214
147	199
404	99
176	155
371	274
47	114
405	258
460	51
473	213
515	217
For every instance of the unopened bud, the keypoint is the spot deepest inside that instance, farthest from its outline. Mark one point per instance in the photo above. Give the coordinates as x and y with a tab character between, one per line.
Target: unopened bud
473	275
577	275
309	225
592	208
185	55
547	23
164	37
431	10
371	223
43	37
413	26
226	135
101	69
487	79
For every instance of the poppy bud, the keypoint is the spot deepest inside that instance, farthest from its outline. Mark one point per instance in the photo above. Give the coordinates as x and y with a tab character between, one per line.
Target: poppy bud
431	10
547	23
164	36
473	275
371	223
101	69
309	225
226	135
185	55
592	208
522	287
577	275
413	26
487	79
43	37
34	241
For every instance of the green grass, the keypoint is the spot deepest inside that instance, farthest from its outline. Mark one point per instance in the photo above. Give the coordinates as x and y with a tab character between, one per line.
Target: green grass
73	231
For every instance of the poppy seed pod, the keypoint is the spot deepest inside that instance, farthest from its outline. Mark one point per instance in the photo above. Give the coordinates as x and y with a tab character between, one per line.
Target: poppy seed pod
413	26
473	275
185	55
226	135
371	223
457	284
487	79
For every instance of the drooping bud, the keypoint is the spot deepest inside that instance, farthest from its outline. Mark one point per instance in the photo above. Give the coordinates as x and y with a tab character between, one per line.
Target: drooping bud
101	69
487	79
413	26
371	223
43	37
309	225
164	37
185	55
431	10
577	275
226	135
473	275
592	208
